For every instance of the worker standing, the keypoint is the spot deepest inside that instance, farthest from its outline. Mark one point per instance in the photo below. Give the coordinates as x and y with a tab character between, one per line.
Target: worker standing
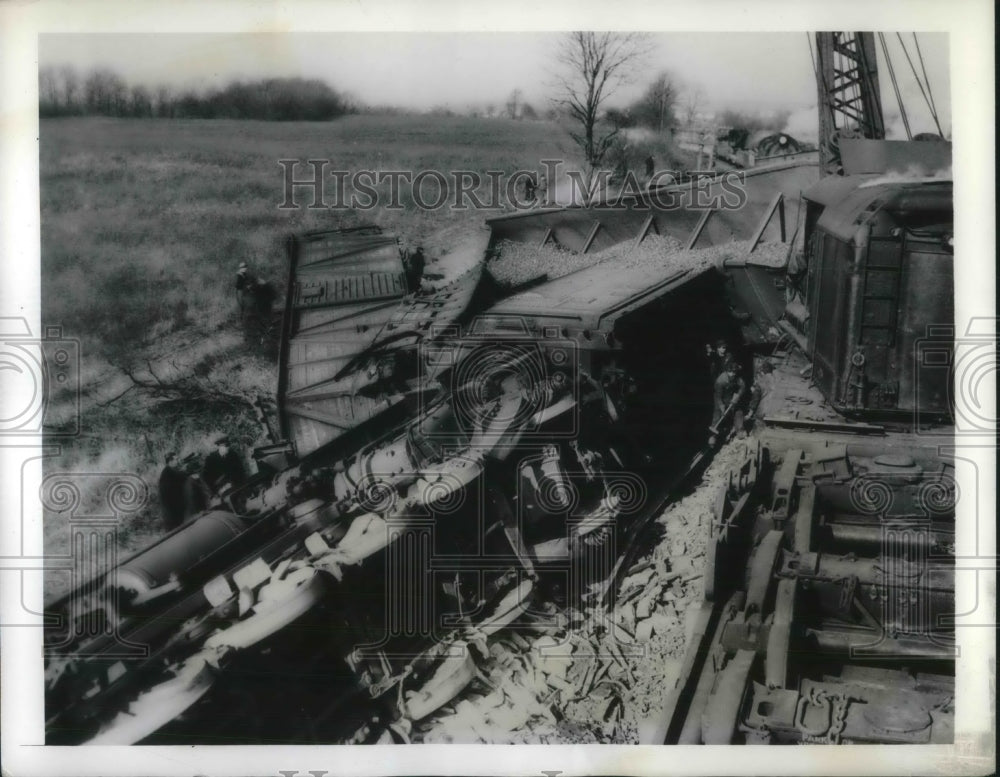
729	388
415	269
171	490
717	357
197	495
223	470
712	359
763	383
246	282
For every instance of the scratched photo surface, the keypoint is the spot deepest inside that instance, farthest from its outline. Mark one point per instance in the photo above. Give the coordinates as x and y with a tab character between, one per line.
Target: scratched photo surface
489	388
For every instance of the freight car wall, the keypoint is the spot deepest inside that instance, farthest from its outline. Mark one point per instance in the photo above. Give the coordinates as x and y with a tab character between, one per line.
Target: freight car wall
591	229
881	280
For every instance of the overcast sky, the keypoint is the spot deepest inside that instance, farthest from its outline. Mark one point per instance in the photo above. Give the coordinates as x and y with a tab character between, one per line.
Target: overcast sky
745	71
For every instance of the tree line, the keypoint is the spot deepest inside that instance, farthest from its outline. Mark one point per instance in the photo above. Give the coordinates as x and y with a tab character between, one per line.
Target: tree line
62	91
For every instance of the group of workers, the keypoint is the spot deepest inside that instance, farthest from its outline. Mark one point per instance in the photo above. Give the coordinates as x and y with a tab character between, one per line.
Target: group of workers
187	485
186	489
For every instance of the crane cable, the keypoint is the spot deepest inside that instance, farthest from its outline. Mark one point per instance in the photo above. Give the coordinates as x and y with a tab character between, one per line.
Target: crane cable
926	79
812	56
916	77
895	86
820	77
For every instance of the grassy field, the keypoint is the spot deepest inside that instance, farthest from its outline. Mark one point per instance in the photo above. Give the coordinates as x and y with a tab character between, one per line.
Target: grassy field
143	223
152	217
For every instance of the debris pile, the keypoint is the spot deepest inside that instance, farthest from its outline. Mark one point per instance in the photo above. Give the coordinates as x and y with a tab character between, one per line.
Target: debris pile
595	675
518	263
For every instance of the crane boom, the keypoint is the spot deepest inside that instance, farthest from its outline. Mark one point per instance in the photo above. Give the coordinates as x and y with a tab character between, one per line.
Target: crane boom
847	85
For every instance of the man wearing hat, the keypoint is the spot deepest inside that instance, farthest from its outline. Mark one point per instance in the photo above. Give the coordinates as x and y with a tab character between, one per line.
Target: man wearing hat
718	356
729	388
183	493
223	470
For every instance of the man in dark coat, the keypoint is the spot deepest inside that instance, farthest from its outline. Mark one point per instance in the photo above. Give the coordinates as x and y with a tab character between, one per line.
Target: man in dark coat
415	268
223	470
197	496
245	284
171	489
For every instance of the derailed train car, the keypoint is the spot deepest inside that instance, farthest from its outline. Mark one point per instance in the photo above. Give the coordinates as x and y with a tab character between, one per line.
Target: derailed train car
878	291
362	578
448	461
828	613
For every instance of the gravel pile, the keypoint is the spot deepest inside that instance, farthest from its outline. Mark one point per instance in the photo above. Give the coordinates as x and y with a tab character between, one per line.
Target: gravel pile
574	677
653	249
769	255
520	262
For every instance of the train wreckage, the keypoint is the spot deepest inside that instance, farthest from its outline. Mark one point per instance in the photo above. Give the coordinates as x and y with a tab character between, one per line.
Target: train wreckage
454	458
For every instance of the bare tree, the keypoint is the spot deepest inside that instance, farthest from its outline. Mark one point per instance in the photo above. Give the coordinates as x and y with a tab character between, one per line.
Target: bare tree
655	109
70	88
592	66
105	93
352	102
118	103
513	104
692	105
164	101
48	91
141	102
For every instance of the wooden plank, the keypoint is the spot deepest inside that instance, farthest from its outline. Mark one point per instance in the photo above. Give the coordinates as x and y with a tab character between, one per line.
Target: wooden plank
699	227
779	199
649	223
591	236
323	418
298	397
